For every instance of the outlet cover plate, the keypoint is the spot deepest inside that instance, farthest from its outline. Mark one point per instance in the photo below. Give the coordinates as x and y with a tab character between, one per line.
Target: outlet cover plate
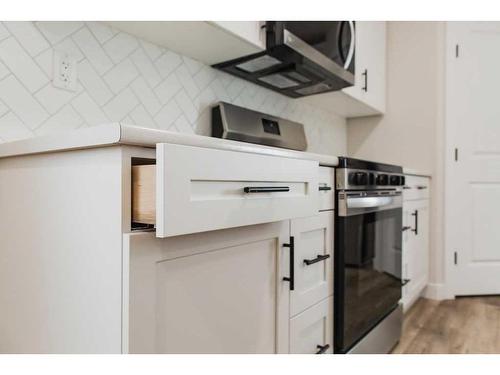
65	75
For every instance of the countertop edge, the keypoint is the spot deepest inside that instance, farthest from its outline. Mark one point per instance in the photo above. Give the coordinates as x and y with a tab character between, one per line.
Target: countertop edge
118	133
414	172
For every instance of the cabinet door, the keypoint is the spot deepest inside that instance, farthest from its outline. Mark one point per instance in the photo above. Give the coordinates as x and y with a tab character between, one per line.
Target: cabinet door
217	292
415	249
313	260
312	330
370	60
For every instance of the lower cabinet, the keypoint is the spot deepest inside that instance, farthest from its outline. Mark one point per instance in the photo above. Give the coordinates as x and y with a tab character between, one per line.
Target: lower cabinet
311	331
415	249
229	291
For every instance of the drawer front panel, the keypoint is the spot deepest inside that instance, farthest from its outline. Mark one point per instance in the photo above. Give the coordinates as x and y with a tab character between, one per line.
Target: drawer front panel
326	179
416	187
313	263
200	189
312	330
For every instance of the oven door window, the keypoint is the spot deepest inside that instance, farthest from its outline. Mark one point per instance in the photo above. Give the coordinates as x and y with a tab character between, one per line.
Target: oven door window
371	244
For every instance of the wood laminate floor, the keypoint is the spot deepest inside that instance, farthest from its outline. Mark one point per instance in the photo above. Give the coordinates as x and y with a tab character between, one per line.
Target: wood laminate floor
463	325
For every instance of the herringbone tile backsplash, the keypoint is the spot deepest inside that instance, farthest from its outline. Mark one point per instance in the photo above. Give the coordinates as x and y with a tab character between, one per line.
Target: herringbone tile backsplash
122	78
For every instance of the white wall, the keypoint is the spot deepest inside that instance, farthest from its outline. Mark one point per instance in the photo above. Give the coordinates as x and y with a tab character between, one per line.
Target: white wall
411	133
122	78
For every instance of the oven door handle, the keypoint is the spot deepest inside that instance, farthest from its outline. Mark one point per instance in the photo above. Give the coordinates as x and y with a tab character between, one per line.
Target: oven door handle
369	202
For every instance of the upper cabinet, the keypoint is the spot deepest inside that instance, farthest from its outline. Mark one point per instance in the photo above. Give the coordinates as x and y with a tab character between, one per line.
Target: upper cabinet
217	41
367	96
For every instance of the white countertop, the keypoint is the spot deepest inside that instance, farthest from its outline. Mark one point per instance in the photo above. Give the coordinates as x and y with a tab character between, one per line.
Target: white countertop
117	133
415	172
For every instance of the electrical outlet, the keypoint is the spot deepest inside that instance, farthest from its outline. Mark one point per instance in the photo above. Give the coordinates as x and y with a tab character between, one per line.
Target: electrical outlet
65	71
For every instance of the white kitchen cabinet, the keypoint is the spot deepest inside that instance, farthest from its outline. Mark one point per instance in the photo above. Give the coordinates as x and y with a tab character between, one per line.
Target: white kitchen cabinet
311	332
415	240
313	263
216	292
368	95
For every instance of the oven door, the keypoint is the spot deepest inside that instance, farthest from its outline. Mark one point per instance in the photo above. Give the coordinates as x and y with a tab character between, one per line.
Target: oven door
368	262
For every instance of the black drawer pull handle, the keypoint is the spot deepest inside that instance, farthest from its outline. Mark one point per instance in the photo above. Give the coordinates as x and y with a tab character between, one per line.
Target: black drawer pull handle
405	281
319	258
291	279
421	187
322	348
265	189
406	228
406	187
325	188
416	221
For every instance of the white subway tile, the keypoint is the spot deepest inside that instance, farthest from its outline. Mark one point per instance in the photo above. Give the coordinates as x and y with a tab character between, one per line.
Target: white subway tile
187	81
28	36
186	106
146	95
93	83
44	61
13	129
206	99
168	88
101	31
89	110
68	46
168	114
3	109
4	33
3	70
183	125
152	50
21	102
167	63
121	105
204	77
146	67
55	31
235	87
53	98
120	46
142	118
192	65
121	75
92	50
65	119
22	65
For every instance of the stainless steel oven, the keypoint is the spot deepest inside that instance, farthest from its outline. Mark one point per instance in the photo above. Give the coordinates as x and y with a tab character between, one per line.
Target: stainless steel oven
368	257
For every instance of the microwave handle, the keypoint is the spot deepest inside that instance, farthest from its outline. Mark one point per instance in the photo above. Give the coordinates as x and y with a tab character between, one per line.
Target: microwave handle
350	54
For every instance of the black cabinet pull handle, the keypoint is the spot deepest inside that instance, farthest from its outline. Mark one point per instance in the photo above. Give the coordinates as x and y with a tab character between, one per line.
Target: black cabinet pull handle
325	188
291	279
365	74
406	228
265	189
421	187
416	221
405	281
319	258
322	348
406	187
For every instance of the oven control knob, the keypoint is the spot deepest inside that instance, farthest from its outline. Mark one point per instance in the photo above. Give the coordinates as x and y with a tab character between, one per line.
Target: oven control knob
358	178
382	179
394	180
371	179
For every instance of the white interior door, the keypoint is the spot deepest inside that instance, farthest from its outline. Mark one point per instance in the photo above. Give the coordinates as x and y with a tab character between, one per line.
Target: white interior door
473	175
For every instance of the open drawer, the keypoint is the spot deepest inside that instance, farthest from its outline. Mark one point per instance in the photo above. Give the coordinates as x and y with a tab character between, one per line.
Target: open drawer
194	189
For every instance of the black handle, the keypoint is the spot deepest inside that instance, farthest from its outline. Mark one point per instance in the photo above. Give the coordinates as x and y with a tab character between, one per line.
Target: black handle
265	189
365	74
406	187
324	188
291	279
405	281
421	187
405	229
416	221
322	348
319	258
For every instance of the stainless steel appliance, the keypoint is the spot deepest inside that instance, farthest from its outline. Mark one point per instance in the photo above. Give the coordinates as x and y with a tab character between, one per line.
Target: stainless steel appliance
368	240
301	58
241	124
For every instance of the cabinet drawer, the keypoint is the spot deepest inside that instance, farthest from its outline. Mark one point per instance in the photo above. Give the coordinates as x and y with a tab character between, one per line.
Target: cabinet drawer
416	187
313	260
199	189
312	330
326	180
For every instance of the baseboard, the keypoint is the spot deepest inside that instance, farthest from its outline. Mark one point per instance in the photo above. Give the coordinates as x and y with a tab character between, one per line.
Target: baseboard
437	292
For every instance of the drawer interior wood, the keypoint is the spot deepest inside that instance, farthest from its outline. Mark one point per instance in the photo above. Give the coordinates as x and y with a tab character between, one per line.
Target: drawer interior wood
144	194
